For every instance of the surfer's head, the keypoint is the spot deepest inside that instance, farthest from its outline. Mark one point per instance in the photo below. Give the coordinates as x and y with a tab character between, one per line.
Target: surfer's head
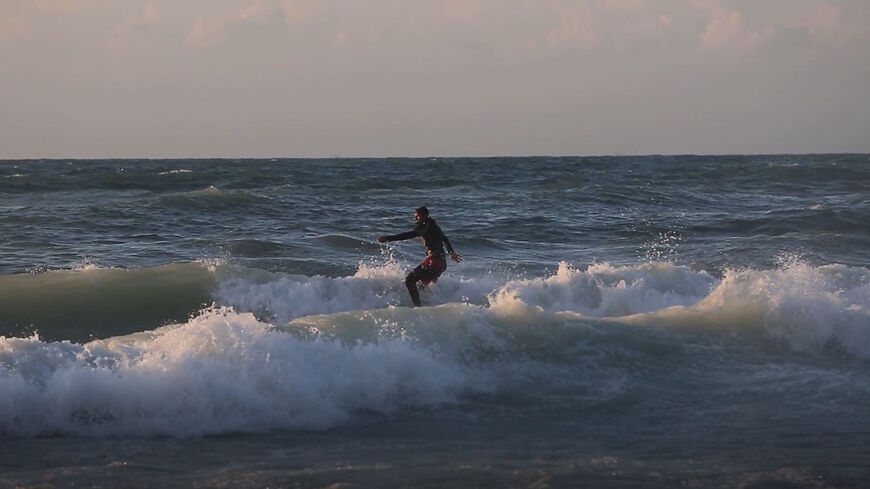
421	213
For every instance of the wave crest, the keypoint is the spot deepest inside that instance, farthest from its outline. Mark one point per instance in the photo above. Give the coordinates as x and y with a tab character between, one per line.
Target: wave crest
805	308
603	290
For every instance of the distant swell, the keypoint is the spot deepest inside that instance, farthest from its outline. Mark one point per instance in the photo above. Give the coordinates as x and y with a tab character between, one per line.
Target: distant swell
209	198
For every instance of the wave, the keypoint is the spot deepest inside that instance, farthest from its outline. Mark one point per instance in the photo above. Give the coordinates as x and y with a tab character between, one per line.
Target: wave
803	307
259	248
342	241
800	306
93	302
281	297
209	198
220	372
818	217
603	290
298	352
225	371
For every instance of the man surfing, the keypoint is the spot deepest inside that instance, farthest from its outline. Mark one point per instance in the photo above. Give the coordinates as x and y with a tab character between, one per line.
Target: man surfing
435	263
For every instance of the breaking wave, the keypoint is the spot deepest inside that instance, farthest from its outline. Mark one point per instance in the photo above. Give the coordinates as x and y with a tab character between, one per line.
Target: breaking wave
284	351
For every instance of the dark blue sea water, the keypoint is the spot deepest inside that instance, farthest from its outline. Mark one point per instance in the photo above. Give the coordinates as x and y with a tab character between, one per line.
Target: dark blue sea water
657	321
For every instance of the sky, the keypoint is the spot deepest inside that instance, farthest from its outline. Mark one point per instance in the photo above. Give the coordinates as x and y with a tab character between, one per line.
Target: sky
324	78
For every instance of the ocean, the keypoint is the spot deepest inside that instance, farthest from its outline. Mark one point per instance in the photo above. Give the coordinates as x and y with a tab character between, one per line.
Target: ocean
625	322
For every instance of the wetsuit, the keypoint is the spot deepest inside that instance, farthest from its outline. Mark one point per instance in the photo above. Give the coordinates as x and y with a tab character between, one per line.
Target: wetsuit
435	263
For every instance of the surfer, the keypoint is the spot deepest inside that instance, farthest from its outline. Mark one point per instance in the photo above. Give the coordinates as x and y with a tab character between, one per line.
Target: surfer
435	263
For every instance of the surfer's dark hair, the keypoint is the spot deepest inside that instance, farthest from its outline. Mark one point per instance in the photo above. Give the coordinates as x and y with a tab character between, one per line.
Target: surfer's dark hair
422	210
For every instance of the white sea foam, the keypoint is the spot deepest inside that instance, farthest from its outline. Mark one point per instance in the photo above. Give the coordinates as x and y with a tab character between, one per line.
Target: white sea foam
227	371
807	307
803	307
603	290
220	372
283	297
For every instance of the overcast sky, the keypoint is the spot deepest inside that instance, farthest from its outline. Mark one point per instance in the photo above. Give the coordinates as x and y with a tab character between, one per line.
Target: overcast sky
299	78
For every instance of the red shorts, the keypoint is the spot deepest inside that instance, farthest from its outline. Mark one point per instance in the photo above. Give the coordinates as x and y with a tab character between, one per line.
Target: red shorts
430	269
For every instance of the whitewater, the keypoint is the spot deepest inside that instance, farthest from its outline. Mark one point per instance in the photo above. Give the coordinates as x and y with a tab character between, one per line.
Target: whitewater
617	322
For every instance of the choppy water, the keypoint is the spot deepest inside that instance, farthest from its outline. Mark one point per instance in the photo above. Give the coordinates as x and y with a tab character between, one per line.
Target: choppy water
617	322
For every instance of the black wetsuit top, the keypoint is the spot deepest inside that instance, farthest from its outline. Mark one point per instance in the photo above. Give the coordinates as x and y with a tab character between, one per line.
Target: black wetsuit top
431	234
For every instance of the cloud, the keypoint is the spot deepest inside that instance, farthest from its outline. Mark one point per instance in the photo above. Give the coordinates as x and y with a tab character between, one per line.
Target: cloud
65	6
461	9
211	29
121	37
204	34
297	12
623	6
576	28
723	28
151	15
826	22
728	29
340	39
257	11
12	24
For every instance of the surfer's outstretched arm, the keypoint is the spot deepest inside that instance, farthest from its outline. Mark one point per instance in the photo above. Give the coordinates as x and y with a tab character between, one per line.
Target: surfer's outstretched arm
397	237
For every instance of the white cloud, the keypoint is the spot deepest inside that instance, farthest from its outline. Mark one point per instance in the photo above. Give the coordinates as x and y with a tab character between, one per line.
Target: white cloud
826	22
728	29
491	61
211	27
577	27
203	33
12	24
257	11
297	12
461	9
723	29
65	6
623	6
151	15
340	39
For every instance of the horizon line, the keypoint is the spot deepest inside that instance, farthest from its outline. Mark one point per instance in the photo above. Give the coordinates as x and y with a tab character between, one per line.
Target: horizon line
429	157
